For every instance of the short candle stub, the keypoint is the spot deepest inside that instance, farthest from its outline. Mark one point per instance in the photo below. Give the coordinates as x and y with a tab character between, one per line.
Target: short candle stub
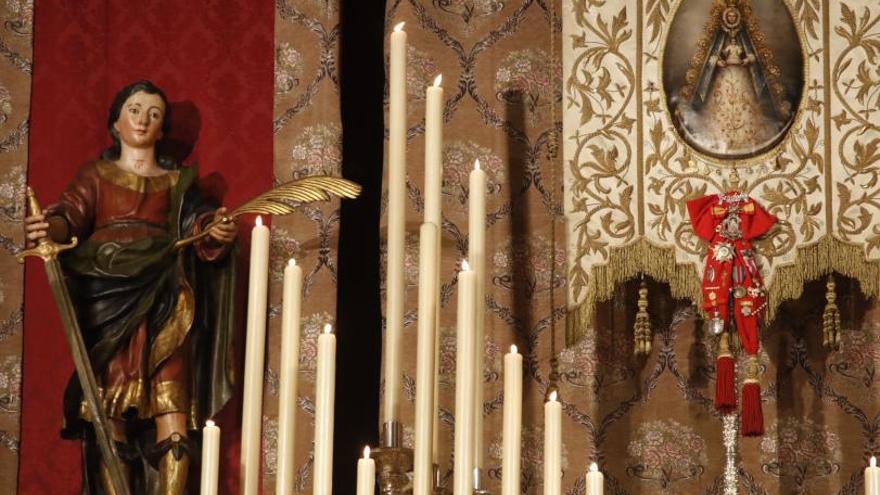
399	27
367	452
594	468
328	328
873	461
438	80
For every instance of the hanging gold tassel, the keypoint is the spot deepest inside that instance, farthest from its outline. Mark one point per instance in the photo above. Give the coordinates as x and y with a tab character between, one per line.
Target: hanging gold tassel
642	327
831	316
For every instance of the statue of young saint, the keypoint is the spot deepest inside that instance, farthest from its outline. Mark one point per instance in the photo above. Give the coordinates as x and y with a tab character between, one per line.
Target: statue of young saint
732	104
157	320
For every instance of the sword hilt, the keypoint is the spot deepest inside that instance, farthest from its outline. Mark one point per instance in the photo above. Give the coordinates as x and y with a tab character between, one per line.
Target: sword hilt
46	248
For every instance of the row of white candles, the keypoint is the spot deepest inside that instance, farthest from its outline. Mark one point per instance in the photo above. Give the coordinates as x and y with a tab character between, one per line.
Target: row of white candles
470	330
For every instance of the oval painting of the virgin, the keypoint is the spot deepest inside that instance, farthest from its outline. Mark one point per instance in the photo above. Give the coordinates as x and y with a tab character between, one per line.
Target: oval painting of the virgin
733	73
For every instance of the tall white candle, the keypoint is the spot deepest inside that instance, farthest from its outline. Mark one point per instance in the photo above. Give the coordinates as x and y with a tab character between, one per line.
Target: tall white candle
552	446
433	187
325	389
424	421
595	480
251	420
512	432
210	458
290	317
477	258
366	474
433	151
464	384
395	289
872	478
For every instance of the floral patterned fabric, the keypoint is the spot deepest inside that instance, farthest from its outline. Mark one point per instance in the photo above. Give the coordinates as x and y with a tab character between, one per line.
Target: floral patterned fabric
308	141
16	37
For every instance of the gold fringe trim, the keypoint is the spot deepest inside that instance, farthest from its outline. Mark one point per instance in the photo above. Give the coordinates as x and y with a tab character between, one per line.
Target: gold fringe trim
625	263
817	260
812	262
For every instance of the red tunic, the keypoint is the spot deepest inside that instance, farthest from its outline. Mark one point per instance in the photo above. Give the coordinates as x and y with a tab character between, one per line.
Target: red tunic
105	203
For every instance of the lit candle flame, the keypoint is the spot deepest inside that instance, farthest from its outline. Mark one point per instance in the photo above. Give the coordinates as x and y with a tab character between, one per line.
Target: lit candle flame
367	452
552	396
465	266
291	262
328	328
513	349
477	164
594	468
398	28
209	423
873	461
259	221
438	80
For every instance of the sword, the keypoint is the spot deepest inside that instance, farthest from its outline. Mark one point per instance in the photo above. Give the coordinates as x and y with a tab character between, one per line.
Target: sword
49	250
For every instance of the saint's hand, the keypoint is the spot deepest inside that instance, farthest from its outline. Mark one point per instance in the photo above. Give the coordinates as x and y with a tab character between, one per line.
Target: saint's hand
35	228
223	232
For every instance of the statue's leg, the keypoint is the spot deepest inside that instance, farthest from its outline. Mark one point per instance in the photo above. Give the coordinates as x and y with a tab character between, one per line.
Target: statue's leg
117	431
174	461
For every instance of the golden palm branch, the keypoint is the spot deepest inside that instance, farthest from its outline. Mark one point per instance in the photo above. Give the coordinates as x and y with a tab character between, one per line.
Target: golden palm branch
284	199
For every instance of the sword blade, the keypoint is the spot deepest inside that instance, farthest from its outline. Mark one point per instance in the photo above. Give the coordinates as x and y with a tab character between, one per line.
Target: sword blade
85	374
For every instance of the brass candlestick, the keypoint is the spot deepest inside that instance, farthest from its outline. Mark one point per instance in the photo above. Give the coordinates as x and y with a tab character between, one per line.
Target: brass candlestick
393	460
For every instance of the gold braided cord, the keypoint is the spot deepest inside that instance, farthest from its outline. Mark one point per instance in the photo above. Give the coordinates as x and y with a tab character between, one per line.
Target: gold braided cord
812	262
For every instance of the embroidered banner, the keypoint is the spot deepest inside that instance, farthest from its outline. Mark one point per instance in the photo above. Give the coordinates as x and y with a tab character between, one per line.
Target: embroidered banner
664	98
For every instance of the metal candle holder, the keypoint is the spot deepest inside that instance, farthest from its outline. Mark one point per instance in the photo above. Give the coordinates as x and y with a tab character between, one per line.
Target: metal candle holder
393	460
479	489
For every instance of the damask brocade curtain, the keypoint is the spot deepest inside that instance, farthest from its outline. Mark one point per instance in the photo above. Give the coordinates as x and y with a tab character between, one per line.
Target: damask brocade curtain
501	87
15	92
307	141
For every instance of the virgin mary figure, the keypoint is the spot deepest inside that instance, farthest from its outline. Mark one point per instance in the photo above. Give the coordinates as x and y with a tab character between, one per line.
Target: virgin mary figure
732	104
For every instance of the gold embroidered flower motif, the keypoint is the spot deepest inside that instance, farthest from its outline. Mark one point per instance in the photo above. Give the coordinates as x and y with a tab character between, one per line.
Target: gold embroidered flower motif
10	384
458	162
526	266
524	78
12	195
310	327
19	16
532	455
469	13
801	449
5	104
317	151
288	68
666	451
282	247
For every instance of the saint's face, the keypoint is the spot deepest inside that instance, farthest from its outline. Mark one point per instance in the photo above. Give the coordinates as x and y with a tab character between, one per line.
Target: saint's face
140	122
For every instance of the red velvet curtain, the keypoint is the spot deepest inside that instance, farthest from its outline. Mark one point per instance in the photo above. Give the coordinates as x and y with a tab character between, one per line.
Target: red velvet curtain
214	59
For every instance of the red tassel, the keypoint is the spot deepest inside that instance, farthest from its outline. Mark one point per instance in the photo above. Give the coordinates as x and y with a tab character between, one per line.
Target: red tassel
752	414
725	384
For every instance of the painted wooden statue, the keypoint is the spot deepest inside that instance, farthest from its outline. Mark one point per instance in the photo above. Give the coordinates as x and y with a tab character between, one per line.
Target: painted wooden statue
156	318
